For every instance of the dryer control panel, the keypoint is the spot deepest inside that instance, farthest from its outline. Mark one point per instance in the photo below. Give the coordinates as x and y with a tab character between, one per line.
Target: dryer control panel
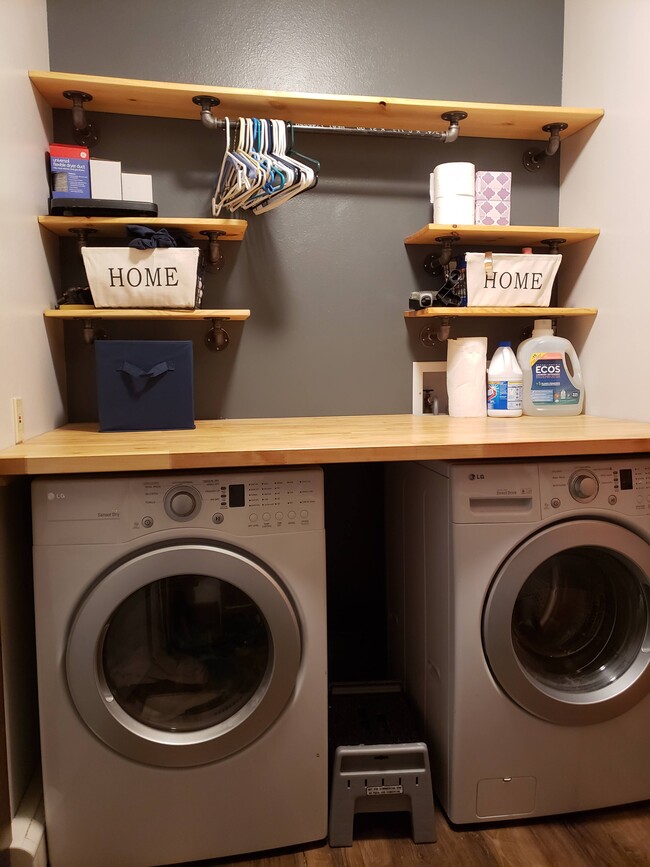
118	508
620	485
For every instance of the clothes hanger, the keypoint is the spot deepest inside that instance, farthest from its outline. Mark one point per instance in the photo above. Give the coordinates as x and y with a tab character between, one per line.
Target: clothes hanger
305	180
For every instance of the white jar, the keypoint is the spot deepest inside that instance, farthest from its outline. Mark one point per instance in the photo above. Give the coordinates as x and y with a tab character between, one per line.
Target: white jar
504	383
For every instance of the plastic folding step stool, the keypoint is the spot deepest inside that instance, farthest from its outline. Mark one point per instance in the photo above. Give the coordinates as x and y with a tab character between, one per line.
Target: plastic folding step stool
381	778
379	762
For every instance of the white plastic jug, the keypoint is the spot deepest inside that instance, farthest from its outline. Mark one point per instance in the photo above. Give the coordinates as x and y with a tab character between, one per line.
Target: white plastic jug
504	383
551	372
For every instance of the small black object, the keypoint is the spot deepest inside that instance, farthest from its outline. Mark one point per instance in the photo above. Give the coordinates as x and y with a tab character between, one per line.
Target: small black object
101	208
448	295
418	300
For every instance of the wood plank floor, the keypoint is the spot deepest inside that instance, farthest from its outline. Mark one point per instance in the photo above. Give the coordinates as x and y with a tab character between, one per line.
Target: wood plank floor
607	838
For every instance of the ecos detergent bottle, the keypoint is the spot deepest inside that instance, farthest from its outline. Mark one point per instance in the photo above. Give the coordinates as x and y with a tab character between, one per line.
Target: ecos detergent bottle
551	371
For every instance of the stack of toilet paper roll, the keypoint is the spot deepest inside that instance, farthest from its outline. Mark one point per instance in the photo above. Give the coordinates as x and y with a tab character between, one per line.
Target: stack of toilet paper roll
451	187
467	377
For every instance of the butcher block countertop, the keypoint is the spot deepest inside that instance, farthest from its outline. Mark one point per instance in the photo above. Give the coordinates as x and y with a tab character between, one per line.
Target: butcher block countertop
81	448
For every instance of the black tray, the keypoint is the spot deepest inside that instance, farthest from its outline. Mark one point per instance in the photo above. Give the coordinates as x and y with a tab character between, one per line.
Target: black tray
101	208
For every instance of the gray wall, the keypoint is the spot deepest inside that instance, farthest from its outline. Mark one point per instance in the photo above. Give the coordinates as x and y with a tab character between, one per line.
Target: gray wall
327	275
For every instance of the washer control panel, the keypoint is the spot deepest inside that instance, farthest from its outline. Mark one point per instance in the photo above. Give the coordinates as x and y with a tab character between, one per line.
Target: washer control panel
285	500
121	507
620	485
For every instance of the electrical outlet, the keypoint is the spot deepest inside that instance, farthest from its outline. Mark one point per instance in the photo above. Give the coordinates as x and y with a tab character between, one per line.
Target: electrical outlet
19	427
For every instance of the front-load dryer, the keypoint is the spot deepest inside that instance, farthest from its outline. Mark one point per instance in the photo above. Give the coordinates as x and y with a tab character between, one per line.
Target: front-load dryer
520	599
181	653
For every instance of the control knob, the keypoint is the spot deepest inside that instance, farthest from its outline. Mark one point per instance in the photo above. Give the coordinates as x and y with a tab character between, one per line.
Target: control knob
583	486
182	503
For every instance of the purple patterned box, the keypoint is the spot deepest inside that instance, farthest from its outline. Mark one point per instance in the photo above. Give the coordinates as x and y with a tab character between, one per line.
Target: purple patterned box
493	198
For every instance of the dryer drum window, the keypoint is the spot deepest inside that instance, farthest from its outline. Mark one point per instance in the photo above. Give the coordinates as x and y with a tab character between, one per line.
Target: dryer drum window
185	653
566	622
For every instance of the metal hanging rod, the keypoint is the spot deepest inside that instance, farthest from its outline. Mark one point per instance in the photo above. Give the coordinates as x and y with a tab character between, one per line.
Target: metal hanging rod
449	135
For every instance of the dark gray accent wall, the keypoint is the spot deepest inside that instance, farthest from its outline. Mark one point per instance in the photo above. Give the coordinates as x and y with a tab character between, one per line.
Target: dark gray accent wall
326	276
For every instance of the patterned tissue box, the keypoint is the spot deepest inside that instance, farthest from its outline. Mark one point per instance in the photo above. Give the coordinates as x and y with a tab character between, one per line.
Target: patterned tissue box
492	198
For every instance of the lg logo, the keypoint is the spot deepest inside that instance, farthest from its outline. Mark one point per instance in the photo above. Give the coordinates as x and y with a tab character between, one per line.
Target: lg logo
473	476
53	496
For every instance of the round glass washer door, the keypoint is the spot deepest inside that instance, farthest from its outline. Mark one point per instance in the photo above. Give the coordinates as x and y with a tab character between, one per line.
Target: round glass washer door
183	654
566	624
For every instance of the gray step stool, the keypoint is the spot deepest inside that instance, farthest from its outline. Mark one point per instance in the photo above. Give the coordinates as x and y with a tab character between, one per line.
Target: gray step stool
378	778
375	777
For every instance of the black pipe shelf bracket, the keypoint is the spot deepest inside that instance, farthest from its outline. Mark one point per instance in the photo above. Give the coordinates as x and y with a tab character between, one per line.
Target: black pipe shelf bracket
217	337
92	332
82	236
534	160
214	260
84	132
553	244
430	335
434	263
453	118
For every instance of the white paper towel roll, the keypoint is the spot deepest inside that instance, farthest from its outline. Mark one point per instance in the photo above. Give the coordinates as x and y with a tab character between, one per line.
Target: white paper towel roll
454	209
453	179
467	377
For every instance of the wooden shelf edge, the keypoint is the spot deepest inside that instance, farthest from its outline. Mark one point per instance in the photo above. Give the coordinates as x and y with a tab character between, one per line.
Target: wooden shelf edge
80	311
234	230
80	448
534	312
502	235
171	99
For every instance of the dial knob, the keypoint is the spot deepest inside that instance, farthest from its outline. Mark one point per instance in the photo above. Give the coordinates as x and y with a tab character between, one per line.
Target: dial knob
182	503
583	486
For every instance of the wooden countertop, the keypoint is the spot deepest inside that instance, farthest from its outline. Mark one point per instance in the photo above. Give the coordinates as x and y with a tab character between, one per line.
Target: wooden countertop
80	448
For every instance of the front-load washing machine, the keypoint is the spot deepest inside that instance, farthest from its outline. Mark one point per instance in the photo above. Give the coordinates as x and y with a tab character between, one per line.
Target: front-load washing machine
181	653
519	598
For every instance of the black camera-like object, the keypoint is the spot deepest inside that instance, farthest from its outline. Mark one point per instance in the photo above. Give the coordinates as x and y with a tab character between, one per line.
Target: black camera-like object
418	300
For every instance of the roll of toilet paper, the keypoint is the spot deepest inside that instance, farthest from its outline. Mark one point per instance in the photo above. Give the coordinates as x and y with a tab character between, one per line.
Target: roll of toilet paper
454	209
457	179
467	377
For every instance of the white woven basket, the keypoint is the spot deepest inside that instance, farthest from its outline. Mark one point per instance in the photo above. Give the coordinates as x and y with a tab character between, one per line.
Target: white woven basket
510	279
128	277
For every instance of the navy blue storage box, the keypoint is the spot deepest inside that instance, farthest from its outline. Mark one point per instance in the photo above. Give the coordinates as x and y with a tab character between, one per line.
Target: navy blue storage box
144	385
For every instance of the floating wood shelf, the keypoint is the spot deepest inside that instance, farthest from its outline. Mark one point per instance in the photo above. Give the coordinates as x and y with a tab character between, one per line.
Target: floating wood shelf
167	99
233	230
502	236
81	311
469	312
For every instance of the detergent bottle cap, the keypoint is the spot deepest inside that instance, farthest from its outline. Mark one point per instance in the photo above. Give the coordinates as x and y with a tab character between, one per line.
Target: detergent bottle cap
542	326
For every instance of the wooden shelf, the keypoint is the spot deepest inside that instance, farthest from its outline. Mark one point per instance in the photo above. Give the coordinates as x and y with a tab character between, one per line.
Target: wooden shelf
167	99
469	312
81	311
502	236
80	448
116	226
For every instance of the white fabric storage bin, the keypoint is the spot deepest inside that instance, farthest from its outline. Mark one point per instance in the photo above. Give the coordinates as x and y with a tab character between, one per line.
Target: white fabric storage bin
510	279
128	277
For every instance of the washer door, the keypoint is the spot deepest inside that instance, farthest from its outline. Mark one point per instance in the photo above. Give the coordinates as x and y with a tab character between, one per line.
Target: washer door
183	654
566	627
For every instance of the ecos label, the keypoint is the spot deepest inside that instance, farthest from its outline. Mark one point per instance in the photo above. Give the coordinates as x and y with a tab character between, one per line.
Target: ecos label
550	380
